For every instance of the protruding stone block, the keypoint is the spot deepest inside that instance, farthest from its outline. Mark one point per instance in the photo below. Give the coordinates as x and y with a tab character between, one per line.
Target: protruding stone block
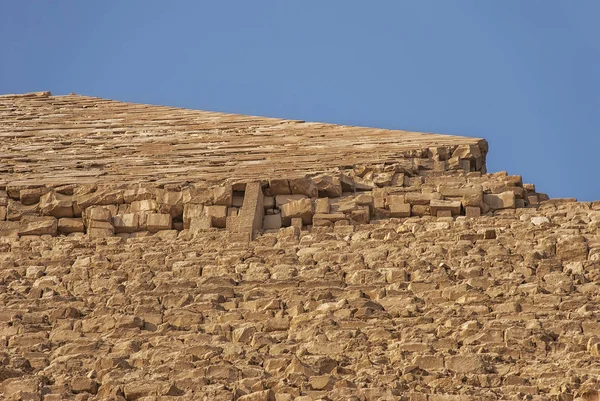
38	226
190	211
301	208
442	205
223	195
158	221
397	206
472	211
68	225
279	187
126	223
304	186
504	200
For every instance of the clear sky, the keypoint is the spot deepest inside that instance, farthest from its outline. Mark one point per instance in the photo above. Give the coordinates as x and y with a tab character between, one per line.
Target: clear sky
524	74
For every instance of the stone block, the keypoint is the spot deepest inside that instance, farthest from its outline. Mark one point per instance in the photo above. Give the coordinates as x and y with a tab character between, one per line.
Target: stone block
190	211
472	211
56	205
217	214
417	198
397	206
304	186
223	195
126	223
2	213
146	205
68	225
31	196
279	187
302	208
444	213
281	200
465	363
200	223
39	226
98	214
322	206
444	205
158	221
329	186
272	222
504	200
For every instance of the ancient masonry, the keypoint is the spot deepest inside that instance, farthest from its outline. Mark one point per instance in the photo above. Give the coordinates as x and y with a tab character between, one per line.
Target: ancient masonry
155	253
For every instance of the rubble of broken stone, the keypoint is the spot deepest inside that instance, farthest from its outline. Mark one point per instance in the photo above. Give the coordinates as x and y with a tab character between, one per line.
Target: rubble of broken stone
372	283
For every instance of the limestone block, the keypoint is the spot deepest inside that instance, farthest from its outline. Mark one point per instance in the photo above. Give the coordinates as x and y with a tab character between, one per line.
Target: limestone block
98	214
465	363
420	210
100	197
328	185
217	214
332	217
68	225
126	223
279	187
200	223
272	222
397	206
190	211
283	199
2	213
38	226
146	205
444	205
170	202
472	211
572	249
304	186
302	208
361	215
158	221
504	200
137	194
365	200
322	205
223	195
57	205
30	196
417	198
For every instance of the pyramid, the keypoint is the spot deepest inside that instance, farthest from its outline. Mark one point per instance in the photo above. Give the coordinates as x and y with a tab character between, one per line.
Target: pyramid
160	253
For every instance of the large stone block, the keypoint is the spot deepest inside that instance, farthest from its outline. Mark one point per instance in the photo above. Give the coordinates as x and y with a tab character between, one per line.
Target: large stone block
57	205
436	206
304	186
504	200
302	208
126	223
38	226
68	225
190	211
271	222
158	221
397	206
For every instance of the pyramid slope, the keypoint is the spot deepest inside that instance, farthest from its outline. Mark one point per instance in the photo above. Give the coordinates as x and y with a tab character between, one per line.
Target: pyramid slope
75	139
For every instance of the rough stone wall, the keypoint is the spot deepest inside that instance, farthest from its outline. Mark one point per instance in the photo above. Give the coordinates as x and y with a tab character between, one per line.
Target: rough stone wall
420	277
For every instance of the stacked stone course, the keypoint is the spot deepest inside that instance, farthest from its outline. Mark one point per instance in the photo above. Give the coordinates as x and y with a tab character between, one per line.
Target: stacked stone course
379	274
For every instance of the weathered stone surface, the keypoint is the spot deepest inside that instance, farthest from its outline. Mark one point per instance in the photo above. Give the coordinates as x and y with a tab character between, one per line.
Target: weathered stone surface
504	200
138	294
302	208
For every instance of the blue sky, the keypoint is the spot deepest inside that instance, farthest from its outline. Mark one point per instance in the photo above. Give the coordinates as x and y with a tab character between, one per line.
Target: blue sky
524	74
